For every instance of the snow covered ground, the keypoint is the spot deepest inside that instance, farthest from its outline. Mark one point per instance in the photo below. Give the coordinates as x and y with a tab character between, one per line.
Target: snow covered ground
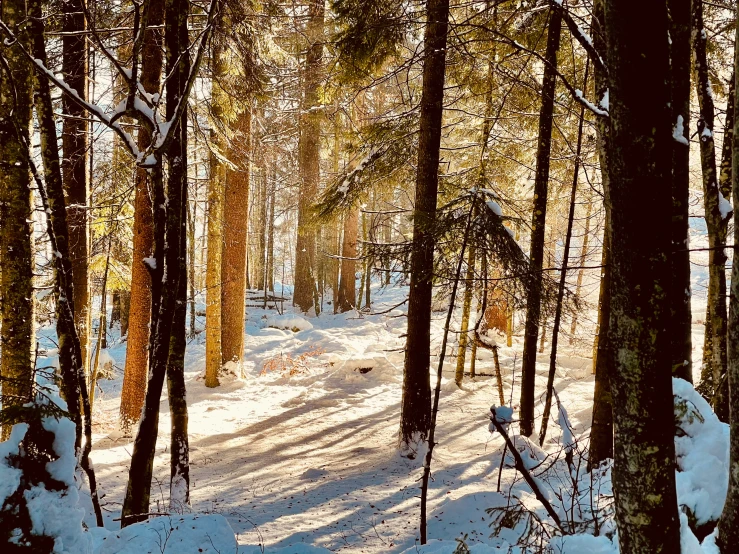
312	458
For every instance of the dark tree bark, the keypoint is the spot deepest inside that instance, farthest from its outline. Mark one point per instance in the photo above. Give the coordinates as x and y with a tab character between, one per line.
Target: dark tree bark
16	211
139	321
74	163
728	524
640	173
309	160
167	274
681	345
563	275
538	220
51	191
415	415
717	213
601	432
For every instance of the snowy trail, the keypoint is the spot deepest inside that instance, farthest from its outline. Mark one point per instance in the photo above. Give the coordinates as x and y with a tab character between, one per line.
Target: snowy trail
312	458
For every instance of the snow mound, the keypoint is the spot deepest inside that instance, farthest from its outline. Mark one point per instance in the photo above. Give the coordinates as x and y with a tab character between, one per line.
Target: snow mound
210	534
40	501
702	450
448	547
288	322
299	548
313	473
583	544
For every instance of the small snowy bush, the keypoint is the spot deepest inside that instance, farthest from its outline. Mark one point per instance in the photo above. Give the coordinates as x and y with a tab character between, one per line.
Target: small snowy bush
39	499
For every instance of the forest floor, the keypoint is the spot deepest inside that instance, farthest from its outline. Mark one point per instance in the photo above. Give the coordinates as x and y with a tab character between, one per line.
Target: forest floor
312	457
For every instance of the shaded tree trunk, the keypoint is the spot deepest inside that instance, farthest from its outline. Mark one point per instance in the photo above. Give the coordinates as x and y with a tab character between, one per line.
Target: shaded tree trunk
348	279
728	524
680	320
415	413
235	227
536	255
717	212
639	166
139	321
466	308
16	213
309	159
74	163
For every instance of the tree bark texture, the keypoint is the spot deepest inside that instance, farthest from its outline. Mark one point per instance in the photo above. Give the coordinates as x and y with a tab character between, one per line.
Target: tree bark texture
16	212
74	163
235	227
639	166
139	320
309	156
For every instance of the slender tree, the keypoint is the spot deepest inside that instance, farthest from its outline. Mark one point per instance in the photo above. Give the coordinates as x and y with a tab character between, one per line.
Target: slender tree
538	220
74	163
415	415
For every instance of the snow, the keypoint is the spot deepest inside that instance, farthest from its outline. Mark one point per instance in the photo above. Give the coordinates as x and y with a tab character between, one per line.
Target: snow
678	131
291	322
177	534
308	462
592	107
724	206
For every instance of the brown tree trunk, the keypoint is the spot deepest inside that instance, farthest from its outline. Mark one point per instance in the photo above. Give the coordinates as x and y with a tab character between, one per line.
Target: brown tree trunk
137	347
74	162
538	220
235	227
16	212
167	273
415	408
348	282
639	165
309	159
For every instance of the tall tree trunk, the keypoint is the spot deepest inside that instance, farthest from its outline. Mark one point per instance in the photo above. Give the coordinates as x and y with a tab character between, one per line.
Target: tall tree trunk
583	259
216	185
16	213
464	331
74	162
728	524
681	345
309	150
538	220
235	227
271	241
139	321
717	212
415	414
51	190
639	166
601	432
348	282
563	275
166	271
